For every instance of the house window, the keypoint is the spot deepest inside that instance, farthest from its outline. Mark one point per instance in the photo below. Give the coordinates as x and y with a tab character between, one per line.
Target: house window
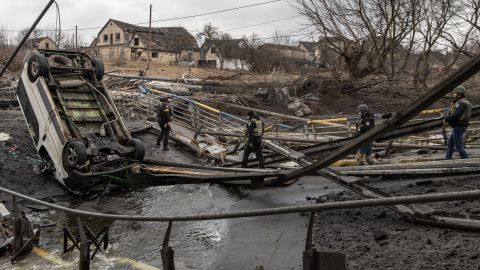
154	54
136	41
46	45
213	50
105	38
117	36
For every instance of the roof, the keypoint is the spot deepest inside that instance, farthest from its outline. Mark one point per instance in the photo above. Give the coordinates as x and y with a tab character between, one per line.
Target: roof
223	43
328	40
225	46
93	43
166	39
309	45
269	46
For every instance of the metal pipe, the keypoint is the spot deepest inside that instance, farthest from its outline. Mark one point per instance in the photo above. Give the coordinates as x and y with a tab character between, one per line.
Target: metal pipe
165	79
285	116
424	198
19	46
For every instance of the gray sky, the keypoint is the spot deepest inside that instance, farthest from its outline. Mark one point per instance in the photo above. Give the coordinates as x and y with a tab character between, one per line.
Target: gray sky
18	14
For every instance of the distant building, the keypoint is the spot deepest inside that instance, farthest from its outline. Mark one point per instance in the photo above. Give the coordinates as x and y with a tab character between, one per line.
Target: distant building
44	43
287	51
168	45
311	48
225	54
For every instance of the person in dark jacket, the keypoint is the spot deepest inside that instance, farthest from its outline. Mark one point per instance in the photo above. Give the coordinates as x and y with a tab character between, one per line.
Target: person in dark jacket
164	119
367	122
459	119
253	136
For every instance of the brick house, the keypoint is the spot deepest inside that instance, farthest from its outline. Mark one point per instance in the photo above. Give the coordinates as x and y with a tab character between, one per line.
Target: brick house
44	43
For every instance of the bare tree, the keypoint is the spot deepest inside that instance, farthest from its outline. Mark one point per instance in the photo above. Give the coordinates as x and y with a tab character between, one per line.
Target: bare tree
248	54
280	38
389	36
36	33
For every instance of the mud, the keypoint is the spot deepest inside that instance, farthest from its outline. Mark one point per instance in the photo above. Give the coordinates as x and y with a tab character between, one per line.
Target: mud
379	238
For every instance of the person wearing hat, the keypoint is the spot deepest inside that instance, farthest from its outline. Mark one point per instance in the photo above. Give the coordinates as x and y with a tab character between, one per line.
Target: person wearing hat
164	119
367	122
253	135
459	119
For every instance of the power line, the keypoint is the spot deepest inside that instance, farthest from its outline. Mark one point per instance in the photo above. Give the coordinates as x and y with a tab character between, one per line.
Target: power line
215	12
186	17
258	24
191	16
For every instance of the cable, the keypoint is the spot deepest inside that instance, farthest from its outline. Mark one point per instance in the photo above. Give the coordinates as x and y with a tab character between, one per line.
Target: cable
190	16
258	24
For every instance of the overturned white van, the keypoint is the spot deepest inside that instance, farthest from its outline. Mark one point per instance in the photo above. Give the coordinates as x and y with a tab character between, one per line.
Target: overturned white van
74	124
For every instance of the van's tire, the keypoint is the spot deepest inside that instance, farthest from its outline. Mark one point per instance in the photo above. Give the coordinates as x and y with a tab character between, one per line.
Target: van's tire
74	154
37	66
139	153
99	68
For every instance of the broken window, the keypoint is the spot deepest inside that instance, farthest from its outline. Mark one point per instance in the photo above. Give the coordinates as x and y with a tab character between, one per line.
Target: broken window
117	36
47	45
154	54
213	50
136	41
105	38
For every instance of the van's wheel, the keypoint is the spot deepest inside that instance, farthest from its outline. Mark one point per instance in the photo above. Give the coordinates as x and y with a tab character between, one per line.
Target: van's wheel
139	153
98	68
37	66
74	154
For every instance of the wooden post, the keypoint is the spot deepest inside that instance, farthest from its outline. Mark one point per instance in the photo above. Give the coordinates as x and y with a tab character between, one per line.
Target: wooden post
149	40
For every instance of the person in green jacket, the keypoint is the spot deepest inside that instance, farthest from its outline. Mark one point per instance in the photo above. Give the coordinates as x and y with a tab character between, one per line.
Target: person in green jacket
253	135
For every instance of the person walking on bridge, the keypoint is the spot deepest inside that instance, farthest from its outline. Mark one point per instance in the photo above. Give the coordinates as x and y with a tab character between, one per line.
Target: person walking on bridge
367	122
459	119
253	135
164	119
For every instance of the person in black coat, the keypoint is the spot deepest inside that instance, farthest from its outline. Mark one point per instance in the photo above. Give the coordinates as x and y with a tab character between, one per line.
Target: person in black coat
164	119
367	122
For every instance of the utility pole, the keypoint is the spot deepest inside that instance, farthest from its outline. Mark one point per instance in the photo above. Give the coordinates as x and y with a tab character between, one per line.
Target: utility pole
76	38
149	40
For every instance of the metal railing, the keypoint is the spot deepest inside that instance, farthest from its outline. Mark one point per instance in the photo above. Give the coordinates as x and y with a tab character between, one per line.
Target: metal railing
195	114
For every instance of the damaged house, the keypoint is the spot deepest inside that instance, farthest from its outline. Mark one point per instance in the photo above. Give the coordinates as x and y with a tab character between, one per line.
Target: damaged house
119	41
225	54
